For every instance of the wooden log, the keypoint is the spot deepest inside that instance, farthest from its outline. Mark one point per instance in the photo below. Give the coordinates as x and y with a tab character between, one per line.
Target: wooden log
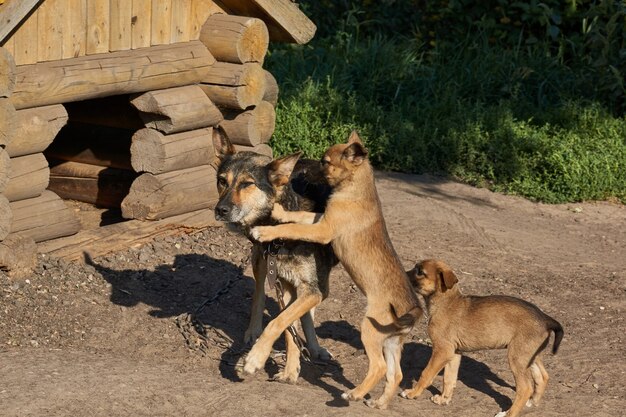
121	72
6	217
101	186
18	255
28	178
262	149
250	127
91	144
271	89
156	153
177	109
8	122
119	113
36	129
43	218
236	86
5	168
154	197
235	39
7	73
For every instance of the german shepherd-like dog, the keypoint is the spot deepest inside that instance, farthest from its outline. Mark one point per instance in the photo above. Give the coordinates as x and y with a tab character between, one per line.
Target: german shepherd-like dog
249	185
353	223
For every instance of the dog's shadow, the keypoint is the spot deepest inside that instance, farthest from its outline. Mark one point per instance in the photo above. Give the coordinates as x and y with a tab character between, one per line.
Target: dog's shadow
178	289
472	373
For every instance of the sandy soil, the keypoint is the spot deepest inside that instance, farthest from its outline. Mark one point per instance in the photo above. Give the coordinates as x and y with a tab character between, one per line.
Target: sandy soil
103	340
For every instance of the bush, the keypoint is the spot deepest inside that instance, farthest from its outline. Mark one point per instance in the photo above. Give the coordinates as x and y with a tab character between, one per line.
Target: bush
515	118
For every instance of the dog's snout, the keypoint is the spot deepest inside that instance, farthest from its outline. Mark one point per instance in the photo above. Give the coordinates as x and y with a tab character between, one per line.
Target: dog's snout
222	210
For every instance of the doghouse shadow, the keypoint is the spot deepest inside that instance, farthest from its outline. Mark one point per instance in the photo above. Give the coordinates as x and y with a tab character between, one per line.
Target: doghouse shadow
178	289
474	374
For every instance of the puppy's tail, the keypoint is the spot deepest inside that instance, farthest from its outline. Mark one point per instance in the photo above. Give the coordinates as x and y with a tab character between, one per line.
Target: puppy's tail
405	322
556	327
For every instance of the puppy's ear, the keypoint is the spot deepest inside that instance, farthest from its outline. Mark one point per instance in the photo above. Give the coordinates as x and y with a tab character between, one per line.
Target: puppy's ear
447	278
221	145
354	138
280	169
355	153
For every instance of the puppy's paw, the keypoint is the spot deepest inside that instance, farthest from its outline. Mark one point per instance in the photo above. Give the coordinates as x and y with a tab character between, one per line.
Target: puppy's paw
376	404
252	334
252	363
409	394
278	213
262	233
501	414
440	399
349	395
530	403
286	377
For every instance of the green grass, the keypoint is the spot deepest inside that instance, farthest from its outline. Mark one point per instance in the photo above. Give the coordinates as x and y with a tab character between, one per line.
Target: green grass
516	121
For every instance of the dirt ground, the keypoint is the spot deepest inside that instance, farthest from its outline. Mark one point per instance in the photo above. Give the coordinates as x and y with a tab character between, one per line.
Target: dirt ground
102	339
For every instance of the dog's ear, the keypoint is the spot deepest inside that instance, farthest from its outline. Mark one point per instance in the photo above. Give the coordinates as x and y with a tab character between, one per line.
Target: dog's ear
221	145
446	278
280	169
355	153
354	138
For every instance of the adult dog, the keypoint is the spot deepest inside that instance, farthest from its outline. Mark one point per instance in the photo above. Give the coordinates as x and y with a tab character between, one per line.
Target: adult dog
249	185
353	223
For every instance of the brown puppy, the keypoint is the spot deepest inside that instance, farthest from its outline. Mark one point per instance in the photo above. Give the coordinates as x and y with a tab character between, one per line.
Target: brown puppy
353	223
461	323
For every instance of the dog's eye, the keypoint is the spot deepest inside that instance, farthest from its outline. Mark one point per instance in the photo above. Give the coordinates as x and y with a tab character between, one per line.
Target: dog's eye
221	181
245	184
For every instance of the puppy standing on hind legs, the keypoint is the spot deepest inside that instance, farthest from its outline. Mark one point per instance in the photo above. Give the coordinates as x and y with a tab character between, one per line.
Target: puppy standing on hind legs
354	225
460	323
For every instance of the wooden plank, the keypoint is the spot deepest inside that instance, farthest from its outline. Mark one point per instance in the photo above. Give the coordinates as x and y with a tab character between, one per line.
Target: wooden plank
181	21
75	28
285	21
132	233
36	129
177	109
141	23
98	23
116	73
12	13
6	217
7	74
161	22
120	20
26	41
9	45
28	177
50	21
43	218
200	11
154	197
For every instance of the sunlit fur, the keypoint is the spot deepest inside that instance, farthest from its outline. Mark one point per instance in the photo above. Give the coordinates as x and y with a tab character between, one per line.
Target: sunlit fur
460	323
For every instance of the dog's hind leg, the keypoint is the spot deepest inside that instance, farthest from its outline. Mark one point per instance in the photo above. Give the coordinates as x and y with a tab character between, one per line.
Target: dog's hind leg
256	358
540	376
259	270
392	350
373	341
518	360
450	374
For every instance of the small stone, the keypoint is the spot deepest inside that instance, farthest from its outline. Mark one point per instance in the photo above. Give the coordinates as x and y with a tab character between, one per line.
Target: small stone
596	386
601	307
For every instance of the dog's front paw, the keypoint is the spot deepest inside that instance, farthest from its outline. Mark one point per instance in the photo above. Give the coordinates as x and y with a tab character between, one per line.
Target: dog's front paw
262	233
409	394
286	377
278	213
349	395
252	334
376	404
321	354
440	399
501	414
252	363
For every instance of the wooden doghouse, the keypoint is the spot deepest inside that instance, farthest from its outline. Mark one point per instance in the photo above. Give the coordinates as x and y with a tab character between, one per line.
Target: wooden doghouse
113	102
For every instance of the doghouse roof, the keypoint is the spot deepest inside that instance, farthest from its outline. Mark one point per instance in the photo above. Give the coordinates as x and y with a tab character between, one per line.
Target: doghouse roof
70	28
